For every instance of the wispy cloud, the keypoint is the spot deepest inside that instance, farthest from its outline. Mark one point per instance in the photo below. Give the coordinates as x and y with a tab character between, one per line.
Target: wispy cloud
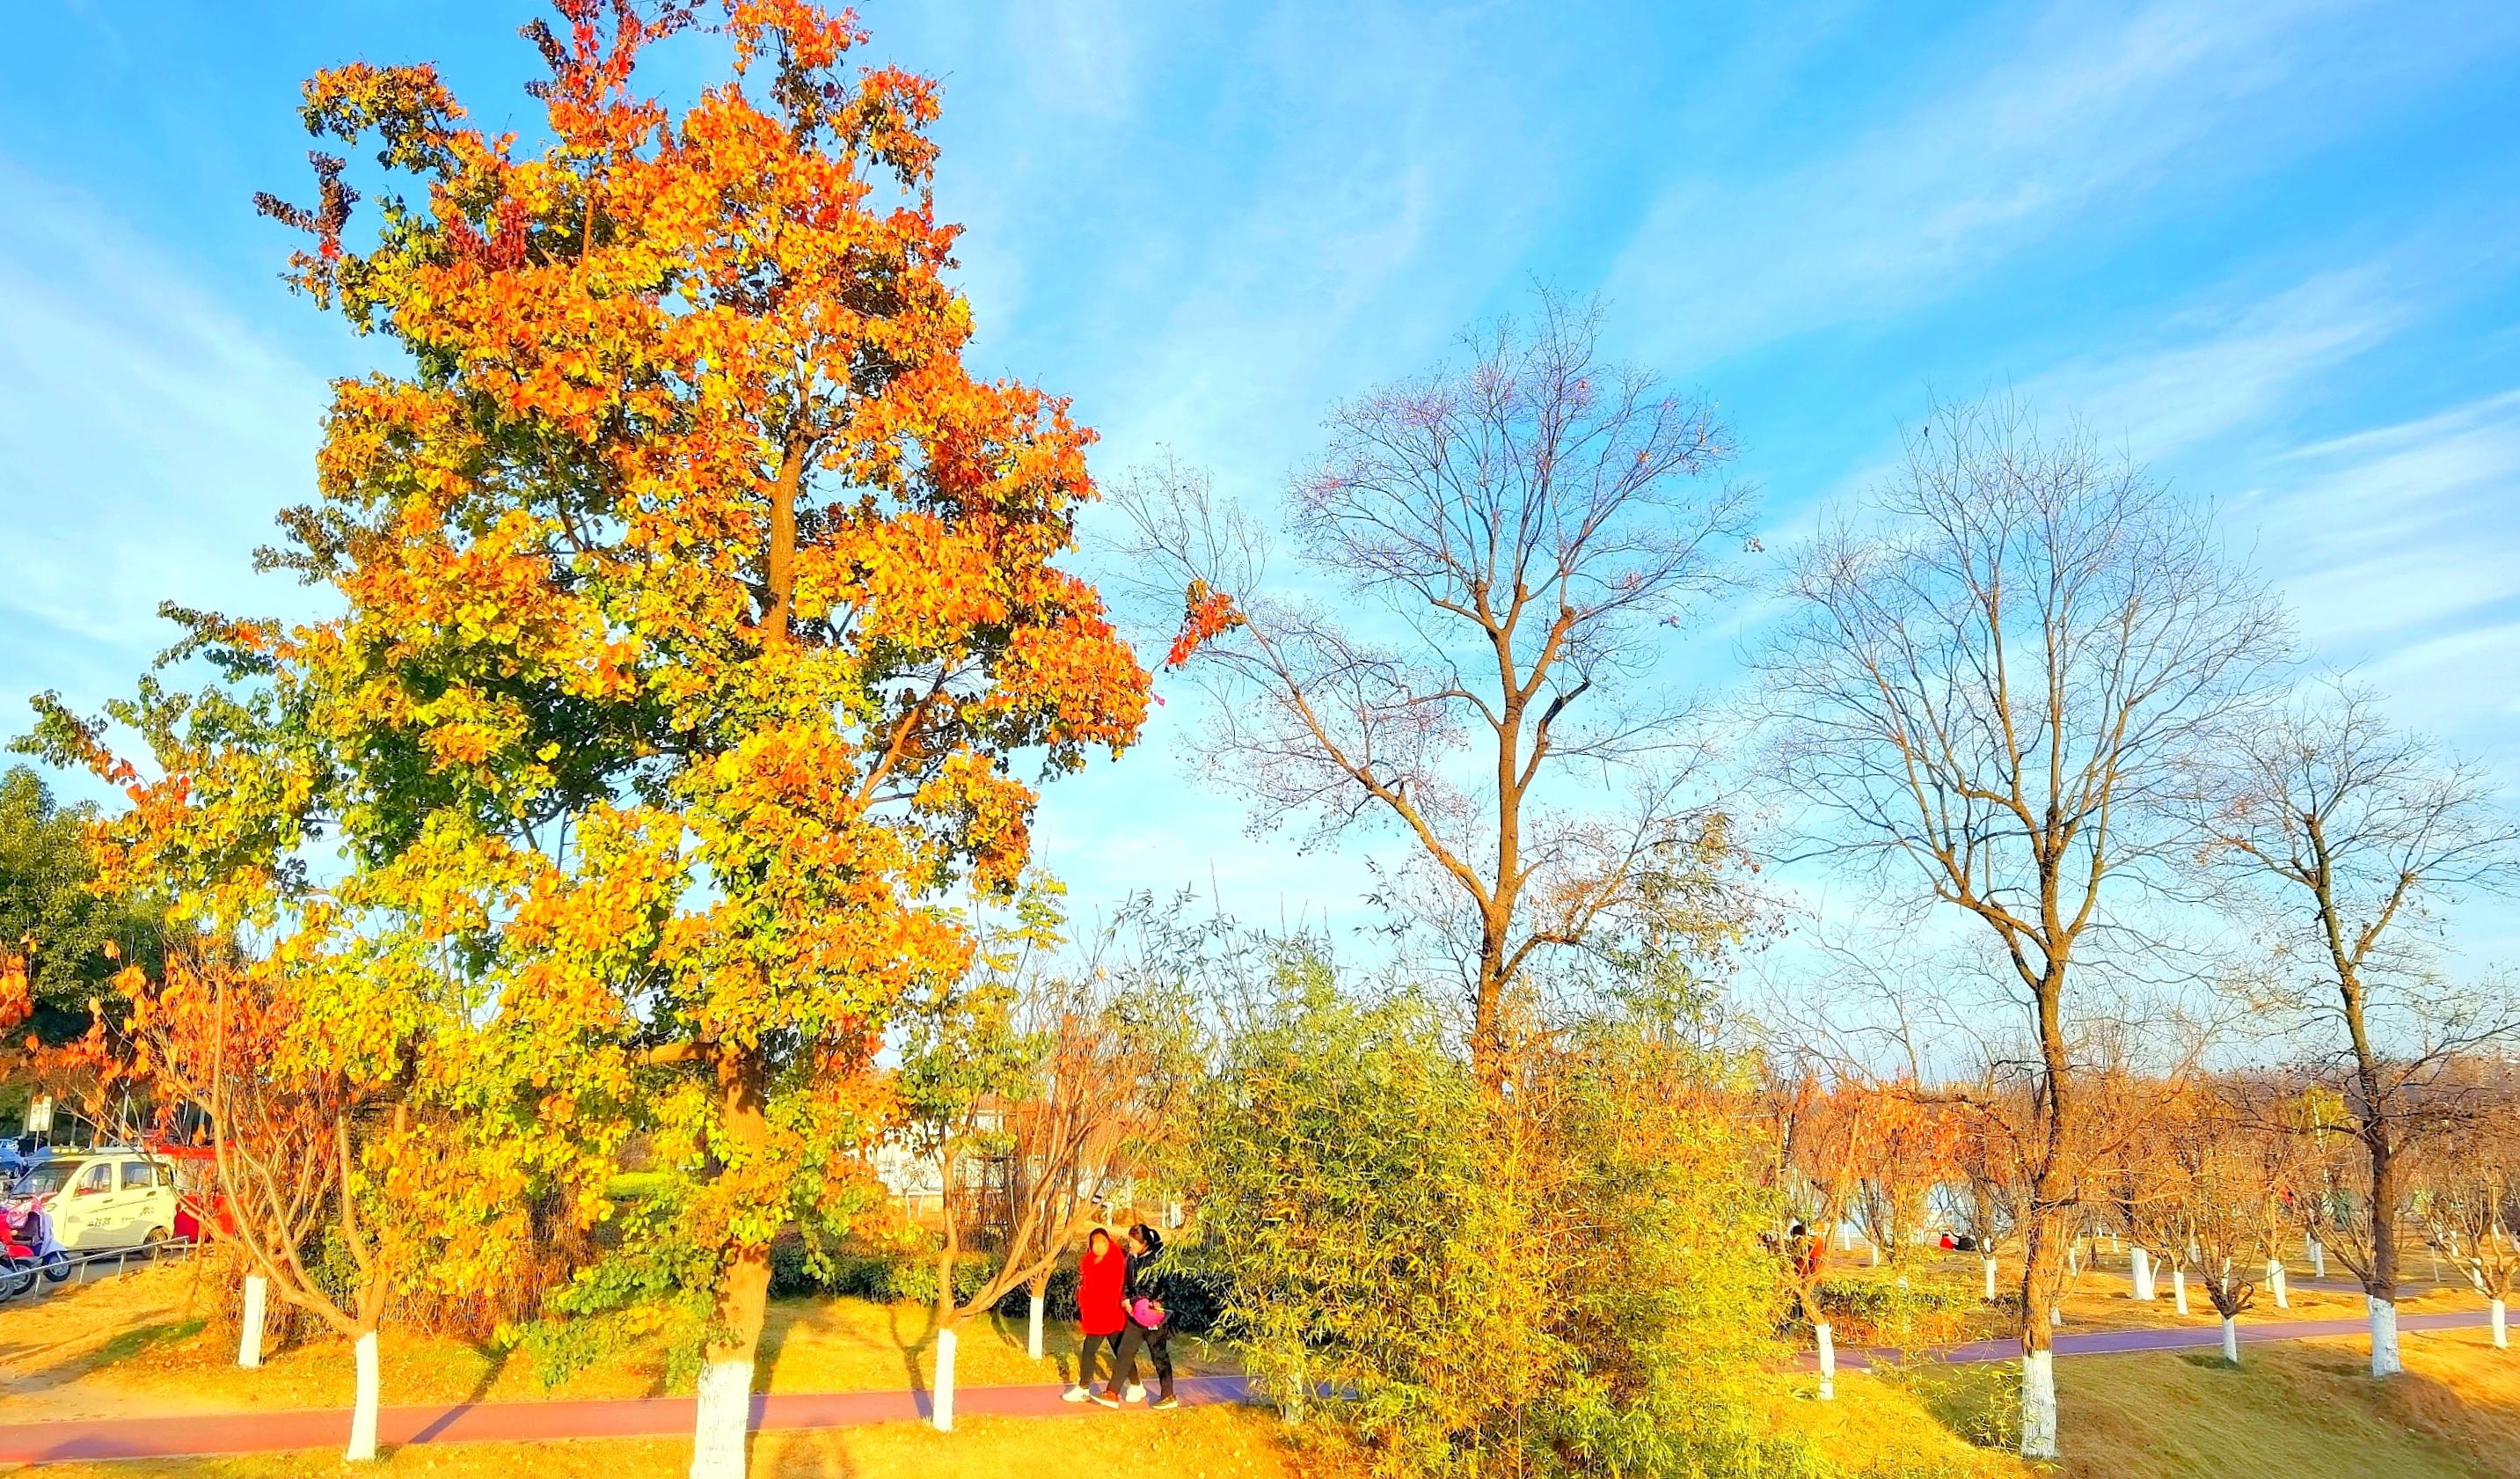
145	436
2400	534
2083	115
2216	371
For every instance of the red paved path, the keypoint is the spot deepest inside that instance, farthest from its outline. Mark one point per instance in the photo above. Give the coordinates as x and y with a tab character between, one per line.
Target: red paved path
672	1417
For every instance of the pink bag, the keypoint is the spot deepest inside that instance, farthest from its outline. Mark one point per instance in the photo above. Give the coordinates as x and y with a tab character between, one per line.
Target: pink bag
1147	1313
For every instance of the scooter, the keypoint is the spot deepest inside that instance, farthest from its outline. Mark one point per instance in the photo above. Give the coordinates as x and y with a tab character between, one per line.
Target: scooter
27	1246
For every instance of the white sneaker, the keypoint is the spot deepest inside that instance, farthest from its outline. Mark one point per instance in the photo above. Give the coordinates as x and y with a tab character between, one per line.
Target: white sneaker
1136	1393
1076	1394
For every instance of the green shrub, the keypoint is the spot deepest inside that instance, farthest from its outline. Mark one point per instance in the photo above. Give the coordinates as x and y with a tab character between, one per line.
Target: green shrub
1872	1311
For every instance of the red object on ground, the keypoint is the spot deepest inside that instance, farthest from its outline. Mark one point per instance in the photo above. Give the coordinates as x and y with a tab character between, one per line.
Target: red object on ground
1097	1291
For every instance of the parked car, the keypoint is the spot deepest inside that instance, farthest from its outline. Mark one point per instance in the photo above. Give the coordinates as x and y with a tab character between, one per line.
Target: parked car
100	1200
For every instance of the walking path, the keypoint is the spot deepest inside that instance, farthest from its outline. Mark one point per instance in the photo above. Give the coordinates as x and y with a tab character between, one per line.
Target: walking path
194	1437
2176	1338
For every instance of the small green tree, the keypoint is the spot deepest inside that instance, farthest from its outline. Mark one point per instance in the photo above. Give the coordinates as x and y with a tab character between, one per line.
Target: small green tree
1565	1277
51	912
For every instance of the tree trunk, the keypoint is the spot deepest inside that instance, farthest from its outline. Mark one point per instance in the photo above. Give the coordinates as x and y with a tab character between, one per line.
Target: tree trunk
1989	1266
2139	1274
722	1415
941	1412
2275	1283
2318	1259
2230	1340
2499	1325
363	1414
2384	1339
2040	1266
1032	1319
2178	1288
1827	1359
2038	1404
257	1293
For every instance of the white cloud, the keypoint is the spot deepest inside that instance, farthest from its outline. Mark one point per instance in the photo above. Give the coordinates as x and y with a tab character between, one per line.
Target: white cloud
2087	110
146	437
2389	536
2162	397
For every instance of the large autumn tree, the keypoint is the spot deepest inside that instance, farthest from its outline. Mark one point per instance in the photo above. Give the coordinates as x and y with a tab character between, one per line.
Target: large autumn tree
700	627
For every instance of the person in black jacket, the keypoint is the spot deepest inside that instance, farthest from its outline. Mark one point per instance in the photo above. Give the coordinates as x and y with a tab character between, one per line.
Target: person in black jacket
1151	1327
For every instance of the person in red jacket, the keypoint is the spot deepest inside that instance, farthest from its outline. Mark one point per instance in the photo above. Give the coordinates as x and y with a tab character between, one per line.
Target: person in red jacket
1100	1277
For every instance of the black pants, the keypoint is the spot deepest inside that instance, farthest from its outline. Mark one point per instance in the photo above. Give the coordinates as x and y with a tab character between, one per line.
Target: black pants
1158	1343
1107	1346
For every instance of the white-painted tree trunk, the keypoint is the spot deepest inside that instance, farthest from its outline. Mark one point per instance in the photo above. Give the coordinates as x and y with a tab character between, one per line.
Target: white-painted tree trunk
723	1411
2039	1404
257	1290
2384	1339
1827	1359
1876	1250
2178	1288
2055	1315
2230	1340
1846	1237
2499	1323
2074	1259
941	1410
2139	1270
2275	1283
1032	1329
363	1415
1989	1279
2318	1259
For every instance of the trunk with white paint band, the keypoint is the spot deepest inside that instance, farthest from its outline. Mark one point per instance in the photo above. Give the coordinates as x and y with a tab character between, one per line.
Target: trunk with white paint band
2275	1283
724	1408
2140	1271
2178	1288
1990	1280
941	1410
2384	1339
2230	1340
1828	1360
257	1293
2039	1404
2318	1259
2499	1323
1032	1328
363	1416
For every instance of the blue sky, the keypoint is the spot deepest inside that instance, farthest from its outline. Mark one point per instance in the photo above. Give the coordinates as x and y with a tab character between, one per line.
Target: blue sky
2272	247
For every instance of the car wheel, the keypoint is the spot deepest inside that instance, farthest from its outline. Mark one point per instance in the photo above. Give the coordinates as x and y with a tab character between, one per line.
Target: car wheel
156	1242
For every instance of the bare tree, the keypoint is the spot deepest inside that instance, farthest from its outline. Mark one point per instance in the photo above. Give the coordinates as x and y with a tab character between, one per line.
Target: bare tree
1494	552
1990	693
2358	832
2470	1206
1040	1090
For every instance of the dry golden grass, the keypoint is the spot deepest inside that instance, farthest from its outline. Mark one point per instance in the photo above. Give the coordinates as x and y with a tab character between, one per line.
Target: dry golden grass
1197	1443
2301	1410
137	1345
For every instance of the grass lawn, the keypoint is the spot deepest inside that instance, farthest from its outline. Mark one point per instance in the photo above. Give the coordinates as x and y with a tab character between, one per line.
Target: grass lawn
2301	1410
1195	1443
130	1345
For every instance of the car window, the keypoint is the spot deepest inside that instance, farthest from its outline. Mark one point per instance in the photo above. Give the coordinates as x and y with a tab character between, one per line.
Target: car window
99	1177
141	1173
44	1180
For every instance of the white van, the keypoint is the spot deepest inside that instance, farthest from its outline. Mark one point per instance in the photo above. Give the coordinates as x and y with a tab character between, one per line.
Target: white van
103	1199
